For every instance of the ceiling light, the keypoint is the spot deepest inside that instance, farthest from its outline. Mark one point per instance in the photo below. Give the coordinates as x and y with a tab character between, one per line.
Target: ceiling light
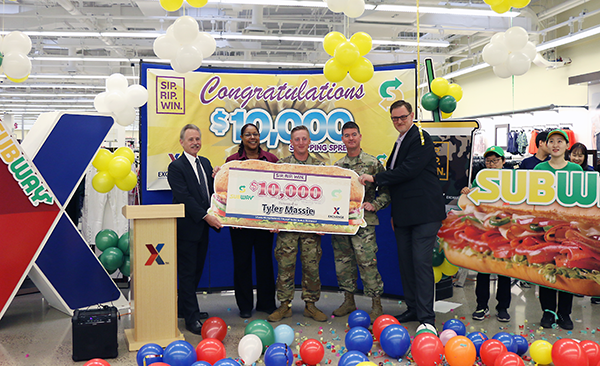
445	11
85	59
84	77
50	86
308	4
573	37
48	95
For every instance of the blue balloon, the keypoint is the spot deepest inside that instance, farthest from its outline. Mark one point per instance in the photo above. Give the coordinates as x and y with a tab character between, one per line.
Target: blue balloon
359	339
522	345
151	353
395	340
225	362
352	358
285	334
359	318
180	353
507	340
477	338
457	326
201	363
279	354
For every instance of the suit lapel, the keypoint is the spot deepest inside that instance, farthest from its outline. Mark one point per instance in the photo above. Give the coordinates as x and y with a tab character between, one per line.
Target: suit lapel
406	142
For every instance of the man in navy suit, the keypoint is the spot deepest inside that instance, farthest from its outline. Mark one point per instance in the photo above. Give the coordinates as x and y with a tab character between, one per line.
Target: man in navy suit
417	211
190	178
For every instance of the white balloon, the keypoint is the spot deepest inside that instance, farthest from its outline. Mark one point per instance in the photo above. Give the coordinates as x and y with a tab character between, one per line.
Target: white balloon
206	44
126	116
165	47
336	6
116	83
115	100
16	65
189	58
498	38
515	38
501	71
136	95
17	42
185	30
100	103
355	8
495	54
176	67
250	348
518	63
529	50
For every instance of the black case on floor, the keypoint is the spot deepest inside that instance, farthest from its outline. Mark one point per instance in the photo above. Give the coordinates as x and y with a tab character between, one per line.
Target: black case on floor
95	334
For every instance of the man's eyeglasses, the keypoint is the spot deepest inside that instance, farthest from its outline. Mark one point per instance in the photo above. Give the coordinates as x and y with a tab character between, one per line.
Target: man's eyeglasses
252	134
492	161
403	118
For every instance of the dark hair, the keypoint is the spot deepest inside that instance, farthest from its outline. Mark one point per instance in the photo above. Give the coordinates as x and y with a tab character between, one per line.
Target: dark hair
542	136
244	127
399	104
299	128
578	146
189	126
350	124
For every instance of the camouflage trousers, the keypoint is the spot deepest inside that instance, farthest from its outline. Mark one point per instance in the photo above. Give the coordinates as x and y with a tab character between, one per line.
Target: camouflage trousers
310	256
357	250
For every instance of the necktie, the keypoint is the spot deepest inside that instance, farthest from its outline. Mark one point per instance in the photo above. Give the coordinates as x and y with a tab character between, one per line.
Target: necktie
202	179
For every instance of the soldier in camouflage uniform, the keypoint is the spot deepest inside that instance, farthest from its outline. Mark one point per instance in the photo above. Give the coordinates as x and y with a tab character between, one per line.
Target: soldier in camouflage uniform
286	249
360	249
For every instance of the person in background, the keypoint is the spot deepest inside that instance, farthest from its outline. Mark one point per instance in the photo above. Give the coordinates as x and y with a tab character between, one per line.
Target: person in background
244	241
541	155
494	159
557	142
360	249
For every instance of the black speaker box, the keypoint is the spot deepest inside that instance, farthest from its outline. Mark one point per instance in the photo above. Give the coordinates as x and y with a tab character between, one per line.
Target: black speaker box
95	333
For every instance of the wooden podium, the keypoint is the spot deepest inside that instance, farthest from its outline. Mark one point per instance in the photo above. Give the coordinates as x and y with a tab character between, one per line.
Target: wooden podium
153	274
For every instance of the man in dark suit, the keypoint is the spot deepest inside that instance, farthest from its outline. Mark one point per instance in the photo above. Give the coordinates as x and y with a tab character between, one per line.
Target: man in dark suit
417	211
190	178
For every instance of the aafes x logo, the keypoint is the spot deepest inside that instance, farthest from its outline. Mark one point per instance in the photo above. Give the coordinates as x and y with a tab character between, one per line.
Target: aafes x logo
173	157
154	256
336	210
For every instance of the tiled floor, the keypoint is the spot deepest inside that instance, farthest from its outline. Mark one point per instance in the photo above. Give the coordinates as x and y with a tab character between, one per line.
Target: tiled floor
33	333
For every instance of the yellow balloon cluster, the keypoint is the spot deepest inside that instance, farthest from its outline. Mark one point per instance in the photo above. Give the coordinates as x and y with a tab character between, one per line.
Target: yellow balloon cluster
348	57
114	169
446	268
443	95
173	5
502	6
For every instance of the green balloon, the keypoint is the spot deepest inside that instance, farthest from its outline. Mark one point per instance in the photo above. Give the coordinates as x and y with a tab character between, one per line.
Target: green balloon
447	104
263	330
111	259
106	239
123	243
430	101
126	266
438	257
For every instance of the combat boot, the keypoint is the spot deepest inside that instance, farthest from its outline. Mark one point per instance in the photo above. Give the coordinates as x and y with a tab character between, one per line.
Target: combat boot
311	311
347	306
284	311
376	309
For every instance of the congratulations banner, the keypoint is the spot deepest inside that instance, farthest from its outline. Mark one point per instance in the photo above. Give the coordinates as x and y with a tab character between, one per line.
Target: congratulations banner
534	225
305	198
221	101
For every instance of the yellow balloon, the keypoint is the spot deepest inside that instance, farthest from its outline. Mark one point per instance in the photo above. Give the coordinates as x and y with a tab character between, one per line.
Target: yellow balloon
331	41
456	91
125	152
492	2
541	352
448	268
17	80
446	115
197	3
366	363
119	167
171	5
128	183
363	41
103	182
346	53
102	158
519	3
439	87
334	71
362	70
437	274
501	8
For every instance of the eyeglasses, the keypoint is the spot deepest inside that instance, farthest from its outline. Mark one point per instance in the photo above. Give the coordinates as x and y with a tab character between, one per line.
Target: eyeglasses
255	134
492	161
400	117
